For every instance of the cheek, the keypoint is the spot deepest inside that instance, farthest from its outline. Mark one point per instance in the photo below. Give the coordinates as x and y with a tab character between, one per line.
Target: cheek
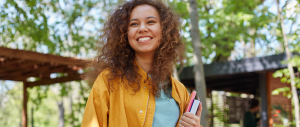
158	32
130	34
158	35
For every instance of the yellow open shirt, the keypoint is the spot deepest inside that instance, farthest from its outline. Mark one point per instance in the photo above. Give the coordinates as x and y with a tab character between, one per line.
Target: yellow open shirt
124	108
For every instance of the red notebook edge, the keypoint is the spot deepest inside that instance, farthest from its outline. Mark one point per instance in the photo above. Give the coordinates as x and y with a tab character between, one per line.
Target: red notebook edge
192	97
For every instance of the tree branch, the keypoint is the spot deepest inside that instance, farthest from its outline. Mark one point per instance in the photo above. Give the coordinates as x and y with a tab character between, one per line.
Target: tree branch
286	3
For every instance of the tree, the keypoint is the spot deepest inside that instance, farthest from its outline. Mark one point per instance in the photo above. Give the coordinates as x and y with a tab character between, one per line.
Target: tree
67	28
10	104
198	65
290	66
57	27
225	23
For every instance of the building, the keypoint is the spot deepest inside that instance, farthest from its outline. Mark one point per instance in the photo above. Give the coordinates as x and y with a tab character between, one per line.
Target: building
251	76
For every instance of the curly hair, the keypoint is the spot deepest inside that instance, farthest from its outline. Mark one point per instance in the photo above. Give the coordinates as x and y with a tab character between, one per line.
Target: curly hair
115	53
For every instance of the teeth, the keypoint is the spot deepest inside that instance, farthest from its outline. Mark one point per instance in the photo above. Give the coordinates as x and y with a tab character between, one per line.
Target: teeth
144	39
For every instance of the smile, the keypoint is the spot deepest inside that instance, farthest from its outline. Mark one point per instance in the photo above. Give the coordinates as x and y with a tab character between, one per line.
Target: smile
144	39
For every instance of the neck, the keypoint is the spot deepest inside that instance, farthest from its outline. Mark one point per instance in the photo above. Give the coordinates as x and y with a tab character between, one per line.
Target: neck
144	60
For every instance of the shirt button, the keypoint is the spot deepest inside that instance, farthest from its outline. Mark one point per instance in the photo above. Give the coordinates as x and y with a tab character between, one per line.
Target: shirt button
141	111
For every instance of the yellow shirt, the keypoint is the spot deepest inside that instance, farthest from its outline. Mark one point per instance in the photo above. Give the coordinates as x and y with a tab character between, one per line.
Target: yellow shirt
124	108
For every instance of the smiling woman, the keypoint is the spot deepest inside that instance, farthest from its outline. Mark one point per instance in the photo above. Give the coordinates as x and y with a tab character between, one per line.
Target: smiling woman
144	31
134	87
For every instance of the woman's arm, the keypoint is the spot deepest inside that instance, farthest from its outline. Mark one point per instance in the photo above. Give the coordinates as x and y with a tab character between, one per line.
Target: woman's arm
96	110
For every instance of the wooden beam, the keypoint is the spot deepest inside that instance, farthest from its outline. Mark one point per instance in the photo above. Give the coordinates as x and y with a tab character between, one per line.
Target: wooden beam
8	62
13	78
56	80
35	69
39	72
26	65
24	110
44	74
47	58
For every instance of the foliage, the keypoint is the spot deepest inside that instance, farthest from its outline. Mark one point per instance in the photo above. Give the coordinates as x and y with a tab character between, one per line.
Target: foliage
222	25
71	28
281	114
42	108
74	118
295	48
10	104
68	28
57	26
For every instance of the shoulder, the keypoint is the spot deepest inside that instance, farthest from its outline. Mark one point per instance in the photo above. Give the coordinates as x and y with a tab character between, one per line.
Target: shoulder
178	84
180	88
102	80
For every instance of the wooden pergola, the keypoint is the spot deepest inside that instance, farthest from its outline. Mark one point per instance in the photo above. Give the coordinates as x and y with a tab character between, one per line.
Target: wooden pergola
19	65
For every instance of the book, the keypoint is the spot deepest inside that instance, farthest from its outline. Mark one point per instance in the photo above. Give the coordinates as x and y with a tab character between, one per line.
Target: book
192	97
193	103
195	106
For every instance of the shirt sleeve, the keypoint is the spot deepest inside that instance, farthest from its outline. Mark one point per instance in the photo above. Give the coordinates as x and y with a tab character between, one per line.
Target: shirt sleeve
97	107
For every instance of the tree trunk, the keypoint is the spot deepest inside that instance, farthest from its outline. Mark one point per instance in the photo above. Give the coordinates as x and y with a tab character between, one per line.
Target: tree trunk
32	123
61	121
198	65
290	67
72	113
251	51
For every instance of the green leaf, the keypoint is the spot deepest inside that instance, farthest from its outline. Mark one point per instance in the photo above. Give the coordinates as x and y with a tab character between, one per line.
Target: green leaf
283	79
277	74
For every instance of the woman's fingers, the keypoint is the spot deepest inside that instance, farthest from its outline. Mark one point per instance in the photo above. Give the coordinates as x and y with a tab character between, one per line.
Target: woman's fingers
190	115
185	122
189	120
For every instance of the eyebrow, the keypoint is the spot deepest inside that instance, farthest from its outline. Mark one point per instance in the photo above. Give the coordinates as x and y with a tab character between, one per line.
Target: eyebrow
146	18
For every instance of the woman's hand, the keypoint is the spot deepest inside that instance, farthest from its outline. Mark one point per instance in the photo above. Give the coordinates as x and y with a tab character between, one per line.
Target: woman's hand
190	120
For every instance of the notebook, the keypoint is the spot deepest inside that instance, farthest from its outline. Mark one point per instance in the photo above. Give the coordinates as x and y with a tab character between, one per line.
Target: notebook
193	103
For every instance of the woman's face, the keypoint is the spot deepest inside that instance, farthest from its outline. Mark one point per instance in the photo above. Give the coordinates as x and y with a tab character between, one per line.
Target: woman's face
144	30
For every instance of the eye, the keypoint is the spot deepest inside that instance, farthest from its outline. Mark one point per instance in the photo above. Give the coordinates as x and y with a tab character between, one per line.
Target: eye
151	22
133	24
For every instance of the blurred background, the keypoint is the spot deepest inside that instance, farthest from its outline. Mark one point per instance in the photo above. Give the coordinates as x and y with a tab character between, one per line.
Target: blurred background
249	50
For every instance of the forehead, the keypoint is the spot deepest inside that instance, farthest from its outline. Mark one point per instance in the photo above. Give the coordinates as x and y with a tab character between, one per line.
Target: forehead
144	11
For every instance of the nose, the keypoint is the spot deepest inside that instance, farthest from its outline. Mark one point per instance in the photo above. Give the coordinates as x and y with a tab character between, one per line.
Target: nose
143	28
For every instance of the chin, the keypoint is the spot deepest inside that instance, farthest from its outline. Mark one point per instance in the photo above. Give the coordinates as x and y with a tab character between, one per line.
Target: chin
146	51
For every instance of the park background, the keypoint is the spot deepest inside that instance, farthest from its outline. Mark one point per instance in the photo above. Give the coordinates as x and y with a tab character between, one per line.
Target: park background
229	30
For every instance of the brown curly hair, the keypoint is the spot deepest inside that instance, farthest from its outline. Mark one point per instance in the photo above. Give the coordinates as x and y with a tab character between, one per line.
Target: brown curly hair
115	53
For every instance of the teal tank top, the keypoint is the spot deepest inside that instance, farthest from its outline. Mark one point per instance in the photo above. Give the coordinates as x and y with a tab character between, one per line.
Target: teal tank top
166	111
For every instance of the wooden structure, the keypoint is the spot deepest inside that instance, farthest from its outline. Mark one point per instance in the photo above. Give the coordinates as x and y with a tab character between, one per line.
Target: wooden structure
251	75
19	65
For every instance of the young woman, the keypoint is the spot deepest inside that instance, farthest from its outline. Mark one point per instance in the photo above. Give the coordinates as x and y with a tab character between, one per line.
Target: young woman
134	87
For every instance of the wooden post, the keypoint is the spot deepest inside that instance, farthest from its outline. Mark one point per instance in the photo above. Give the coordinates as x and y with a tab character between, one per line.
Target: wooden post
24	110
264	99
268	81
